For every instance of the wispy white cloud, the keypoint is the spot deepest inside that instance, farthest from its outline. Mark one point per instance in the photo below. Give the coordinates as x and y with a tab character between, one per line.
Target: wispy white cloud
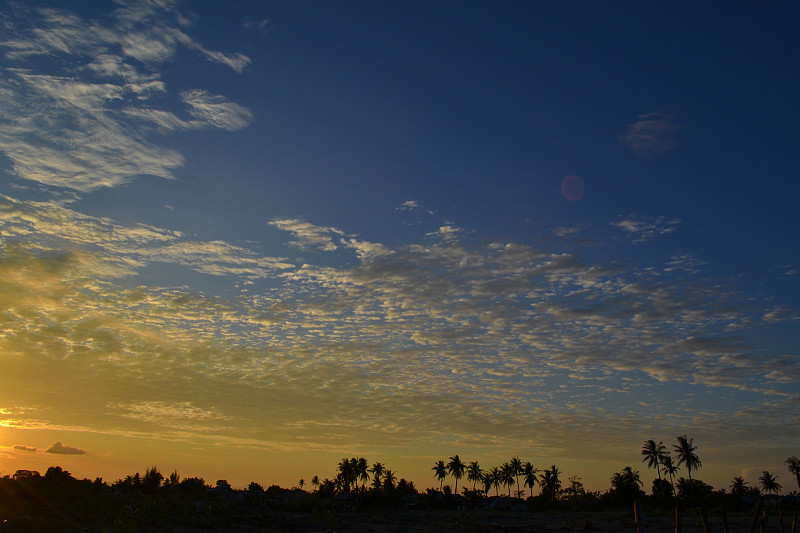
308	235
88	119
215	111
643	230
652	134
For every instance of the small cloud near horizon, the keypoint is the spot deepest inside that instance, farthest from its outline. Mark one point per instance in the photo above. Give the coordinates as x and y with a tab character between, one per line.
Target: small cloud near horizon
24	448
60	449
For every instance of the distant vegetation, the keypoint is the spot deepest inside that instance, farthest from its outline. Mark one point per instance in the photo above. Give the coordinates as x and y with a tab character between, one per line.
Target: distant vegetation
56	501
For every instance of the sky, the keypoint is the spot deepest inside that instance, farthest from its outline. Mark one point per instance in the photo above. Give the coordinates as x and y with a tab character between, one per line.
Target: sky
243	240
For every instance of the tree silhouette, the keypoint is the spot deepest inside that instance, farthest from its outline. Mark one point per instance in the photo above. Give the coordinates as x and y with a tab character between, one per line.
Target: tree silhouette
550	483
738	486
440	472
496	478
669	468
315	482
389	480
793	464
769	482
685	450
529	477
507	476
362	469
516	467
377	470
654	454
474	473
456	469
627	485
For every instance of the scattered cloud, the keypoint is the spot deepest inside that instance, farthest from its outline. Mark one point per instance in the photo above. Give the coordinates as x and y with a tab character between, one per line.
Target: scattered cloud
23	448
477	337
97	121
60	449
643	230
780	314
308	235
413	205
652	134
261	26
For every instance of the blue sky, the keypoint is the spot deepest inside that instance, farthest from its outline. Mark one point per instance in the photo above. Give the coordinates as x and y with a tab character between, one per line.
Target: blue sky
280	233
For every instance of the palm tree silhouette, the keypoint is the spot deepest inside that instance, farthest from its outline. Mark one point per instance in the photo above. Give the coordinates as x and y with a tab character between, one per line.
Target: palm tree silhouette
516	467
793	464
315	481
507	476
377	470
654	454
529	477
440	472
456	469
738	486
685	451
495	477
474	473
361	471
550	483
389	480
769	482
487	481
669	468
345	475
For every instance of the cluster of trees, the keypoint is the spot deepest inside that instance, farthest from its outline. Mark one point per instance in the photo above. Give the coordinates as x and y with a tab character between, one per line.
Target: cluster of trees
376	485
659	457
350	472
506	475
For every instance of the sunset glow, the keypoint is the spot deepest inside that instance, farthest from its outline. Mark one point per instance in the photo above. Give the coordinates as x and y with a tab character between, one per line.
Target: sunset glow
244	240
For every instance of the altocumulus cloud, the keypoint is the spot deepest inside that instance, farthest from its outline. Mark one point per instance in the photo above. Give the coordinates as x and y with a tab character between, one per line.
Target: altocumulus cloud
97	125
441	338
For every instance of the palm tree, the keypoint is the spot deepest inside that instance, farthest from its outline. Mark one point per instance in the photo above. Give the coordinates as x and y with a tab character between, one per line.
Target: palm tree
474	473
345	476
685	450
769	482
516	467
793	464
507	476
551	485
315	481
362	468
301	483
377	470
440	472
495	477
529	477
738	486
669	468
389	480
654	454
456	469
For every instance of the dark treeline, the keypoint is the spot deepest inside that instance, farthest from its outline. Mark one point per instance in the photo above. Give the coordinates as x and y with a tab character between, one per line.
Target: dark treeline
57	501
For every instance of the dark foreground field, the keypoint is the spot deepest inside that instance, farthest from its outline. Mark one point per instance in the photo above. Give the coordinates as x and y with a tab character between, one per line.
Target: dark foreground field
388	521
